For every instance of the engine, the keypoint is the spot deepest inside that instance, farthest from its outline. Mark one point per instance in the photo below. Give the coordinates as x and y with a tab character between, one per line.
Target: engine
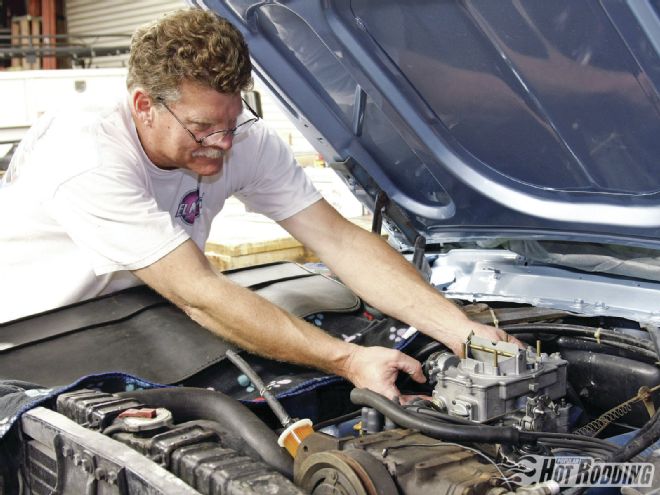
500	382
496	384
392	462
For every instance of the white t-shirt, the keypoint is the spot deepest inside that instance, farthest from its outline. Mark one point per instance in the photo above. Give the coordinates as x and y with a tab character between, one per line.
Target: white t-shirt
82	205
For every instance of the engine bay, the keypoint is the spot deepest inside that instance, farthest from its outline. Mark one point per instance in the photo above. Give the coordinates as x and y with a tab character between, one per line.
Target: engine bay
585	387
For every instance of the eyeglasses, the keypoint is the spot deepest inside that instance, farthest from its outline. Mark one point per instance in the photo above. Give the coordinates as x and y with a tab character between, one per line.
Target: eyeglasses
240	128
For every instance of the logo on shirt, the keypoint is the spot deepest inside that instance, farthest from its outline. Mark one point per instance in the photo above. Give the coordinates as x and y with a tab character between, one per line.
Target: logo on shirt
189	207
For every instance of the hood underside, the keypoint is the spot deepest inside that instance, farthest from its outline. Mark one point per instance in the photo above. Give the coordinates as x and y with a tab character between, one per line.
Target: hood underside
513	119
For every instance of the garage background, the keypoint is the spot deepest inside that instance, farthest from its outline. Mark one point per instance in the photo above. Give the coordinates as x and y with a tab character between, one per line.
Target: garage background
95	34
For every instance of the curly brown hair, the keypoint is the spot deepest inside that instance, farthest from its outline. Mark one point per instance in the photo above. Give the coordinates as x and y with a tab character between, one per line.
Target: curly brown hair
188	44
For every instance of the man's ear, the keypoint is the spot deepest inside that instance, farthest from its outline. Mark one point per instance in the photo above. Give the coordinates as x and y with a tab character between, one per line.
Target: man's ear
143	106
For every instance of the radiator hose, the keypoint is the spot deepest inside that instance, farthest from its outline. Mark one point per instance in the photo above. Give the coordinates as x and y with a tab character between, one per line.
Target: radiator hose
450	432
187	403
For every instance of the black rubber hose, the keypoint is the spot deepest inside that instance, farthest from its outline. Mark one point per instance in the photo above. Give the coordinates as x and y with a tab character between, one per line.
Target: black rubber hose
337	420
566	329
425	351
475	432
452	432
567	345
543	436
577	445
654	332
645	437
187	403
635	352
275	406
432	413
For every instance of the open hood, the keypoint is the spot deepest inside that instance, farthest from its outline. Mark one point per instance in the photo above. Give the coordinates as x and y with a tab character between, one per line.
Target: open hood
477	119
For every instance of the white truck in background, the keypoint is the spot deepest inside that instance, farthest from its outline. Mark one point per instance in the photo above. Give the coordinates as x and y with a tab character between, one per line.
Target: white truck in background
25	95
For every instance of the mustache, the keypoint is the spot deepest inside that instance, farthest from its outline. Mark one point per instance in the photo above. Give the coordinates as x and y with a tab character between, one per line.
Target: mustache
212	153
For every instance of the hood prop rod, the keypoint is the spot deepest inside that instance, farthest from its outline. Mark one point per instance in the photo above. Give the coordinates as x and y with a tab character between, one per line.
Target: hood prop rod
382	201
419	261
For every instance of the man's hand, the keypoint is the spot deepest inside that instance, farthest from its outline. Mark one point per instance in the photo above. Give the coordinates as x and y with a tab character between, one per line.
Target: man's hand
376	368
455	339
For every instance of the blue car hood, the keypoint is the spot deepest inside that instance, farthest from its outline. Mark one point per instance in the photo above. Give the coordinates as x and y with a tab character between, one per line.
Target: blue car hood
509	118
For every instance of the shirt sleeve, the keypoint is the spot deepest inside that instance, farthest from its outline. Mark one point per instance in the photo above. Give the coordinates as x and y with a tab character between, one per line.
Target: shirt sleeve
272	183
110	214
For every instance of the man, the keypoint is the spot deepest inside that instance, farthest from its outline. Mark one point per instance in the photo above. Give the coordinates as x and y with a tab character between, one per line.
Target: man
100	199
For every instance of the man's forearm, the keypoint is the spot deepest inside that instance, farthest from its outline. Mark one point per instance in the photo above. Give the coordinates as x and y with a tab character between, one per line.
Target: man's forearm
387	281
238	315
257	325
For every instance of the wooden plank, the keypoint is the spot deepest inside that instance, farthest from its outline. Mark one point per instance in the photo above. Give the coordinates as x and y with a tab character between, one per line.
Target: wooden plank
35	32
34	7
243	248
238	253
49	30
26	33
15	43
24	26
223	261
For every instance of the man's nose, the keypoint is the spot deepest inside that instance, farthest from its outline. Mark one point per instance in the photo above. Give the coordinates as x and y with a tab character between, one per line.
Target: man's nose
220	140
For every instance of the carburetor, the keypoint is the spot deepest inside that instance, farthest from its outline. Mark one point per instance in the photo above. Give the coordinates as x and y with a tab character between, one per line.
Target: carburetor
498	380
